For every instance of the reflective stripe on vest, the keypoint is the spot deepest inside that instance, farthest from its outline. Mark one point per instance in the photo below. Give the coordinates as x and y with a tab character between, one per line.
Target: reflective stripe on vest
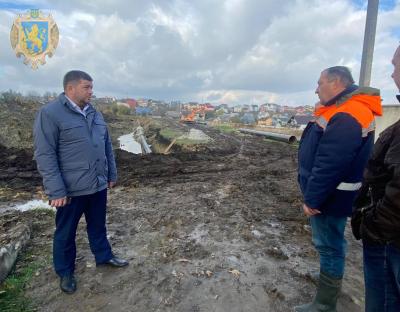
349	186
323	123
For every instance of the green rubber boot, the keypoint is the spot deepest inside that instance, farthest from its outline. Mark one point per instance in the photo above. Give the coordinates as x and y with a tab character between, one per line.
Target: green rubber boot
326	297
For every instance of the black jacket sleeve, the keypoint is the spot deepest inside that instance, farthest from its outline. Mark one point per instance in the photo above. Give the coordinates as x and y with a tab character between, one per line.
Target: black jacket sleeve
384	219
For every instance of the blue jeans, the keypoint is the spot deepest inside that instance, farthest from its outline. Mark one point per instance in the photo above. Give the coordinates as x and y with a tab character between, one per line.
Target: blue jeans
328	239
382	277
93	206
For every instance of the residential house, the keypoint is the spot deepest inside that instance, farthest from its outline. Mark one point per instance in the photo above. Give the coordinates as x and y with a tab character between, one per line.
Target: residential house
264	121
300	121
248	119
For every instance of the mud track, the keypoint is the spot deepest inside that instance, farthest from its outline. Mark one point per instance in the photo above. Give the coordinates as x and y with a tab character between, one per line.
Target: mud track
218	229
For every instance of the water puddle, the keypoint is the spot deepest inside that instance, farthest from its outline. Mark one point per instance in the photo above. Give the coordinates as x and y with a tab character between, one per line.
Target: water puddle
30	205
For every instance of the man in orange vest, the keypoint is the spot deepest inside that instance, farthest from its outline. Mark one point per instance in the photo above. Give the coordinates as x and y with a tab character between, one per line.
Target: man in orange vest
333	152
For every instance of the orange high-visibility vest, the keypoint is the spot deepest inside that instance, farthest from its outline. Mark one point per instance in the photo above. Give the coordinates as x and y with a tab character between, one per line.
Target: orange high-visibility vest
362	107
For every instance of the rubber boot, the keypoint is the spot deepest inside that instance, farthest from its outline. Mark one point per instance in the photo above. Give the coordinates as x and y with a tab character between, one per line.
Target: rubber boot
326	297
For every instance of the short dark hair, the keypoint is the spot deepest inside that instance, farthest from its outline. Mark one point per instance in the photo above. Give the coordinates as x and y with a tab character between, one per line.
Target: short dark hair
75	76
342	73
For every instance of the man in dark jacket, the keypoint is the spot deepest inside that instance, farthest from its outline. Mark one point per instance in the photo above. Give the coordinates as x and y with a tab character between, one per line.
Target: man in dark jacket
378	209
333	151
74	155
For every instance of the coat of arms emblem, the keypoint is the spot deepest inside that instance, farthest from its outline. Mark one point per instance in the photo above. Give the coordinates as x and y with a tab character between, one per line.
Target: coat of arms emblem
34	36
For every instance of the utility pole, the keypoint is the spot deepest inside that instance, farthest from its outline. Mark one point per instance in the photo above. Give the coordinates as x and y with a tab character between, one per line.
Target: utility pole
369	42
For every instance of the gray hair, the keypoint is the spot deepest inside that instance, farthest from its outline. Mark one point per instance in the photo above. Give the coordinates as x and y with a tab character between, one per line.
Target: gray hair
341	73
75	76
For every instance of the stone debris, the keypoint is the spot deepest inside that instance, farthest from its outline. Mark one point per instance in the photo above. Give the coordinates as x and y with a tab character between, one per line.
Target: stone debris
196	135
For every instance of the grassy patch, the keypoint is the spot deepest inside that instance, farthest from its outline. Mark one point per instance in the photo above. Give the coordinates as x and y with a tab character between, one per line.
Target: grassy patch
12	289
29	262
45	210
170	134
225	128
185	141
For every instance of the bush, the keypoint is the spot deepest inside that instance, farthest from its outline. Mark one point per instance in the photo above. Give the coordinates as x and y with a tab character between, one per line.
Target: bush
123	110
120	109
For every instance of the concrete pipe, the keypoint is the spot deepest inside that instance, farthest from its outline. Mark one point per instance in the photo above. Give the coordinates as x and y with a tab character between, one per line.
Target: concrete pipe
272	135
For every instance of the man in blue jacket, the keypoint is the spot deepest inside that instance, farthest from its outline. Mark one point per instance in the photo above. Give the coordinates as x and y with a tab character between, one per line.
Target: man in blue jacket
73	152
333	152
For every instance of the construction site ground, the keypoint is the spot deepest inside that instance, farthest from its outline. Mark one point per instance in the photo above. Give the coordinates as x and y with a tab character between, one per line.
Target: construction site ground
208	227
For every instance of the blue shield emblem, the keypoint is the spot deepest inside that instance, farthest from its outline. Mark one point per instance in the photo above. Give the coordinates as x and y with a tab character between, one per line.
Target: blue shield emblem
35	36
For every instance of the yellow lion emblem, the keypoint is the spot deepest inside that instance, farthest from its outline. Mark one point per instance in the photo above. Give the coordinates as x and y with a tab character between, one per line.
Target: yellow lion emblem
35	38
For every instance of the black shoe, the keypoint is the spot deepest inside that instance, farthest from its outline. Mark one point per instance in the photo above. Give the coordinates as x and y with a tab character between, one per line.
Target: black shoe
68	284
116	262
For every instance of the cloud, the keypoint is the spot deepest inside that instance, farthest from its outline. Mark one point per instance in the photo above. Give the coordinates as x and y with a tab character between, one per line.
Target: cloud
231	51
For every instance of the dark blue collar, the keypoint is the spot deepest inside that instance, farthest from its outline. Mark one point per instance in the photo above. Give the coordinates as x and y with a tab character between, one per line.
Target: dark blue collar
346	91
398	97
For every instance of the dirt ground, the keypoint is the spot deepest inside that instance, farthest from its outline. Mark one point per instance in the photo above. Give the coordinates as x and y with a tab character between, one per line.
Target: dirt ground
216	228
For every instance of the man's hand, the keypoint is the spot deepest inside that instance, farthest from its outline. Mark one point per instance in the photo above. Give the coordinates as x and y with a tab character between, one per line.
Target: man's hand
59	202
111	184
310	211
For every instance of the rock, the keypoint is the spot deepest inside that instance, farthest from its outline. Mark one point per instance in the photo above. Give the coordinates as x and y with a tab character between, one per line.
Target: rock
196	135
13	238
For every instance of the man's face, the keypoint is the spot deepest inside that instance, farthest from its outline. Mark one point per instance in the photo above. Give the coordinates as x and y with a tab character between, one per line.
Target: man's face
327	89
396	64
80	92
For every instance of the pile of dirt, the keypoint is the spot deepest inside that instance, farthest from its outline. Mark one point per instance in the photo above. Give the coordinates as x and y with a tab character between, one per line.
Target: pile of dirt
19	178
17	117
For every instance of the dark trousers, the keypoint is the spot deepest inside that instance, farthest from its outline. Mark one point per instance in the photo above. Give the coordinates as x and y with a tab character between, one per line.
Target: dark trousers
382	277
67	219
328	238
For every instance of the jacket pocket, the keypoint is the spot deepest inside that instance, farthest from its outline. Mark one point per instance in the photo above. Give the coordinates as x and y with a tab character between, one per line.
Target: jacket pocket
357	221
72	132
100	128
77	176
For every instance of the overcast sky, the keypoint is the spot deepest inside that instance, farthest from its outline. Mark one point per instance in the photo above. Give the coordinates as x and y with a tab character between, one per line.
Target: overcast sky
219	51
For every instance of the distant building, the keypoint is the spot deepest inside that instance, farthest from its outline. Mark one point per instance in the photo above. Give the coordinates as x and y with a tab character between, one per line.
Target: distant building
132	103
237	109
123	104
208	107
269	107
300	121
142	102
223	107
248	119
246	108
143	111
106	99
263	115
288	109
280	120
265	121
